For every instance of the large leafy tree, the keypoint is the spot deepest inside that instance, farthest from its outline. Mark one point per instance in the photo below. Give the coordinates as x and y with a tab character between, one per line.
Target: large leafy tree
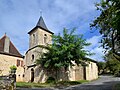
108	23
66	50
101	67
112	64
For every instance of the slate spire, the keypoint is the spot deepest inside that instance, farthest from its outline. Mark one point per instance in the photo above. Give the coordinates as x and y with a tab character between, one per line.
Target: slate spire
41	23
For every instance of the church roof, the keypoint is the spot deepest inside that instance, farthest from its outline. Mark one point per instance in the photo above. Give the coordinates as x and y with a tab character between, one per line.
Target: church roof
12	49
40	24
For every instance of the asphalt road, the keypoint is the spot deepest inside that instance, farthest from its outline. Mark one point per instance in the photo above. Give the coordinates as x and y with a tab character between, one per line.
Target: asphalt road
103	83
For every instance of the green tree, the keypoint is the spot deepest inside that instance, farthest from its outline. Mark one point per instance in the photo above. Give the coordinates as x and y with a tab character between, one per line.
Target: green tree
66	50
112	64
101	67
108	25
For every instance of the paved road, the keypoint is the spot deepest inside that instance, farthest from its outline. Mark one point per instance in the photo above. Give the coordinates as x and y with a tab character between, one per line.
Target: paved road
103	83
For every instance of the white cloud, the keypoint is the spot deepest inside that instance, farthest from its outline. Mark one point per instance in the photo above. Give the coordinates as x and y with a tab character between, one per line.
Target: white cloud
95	48
98	53
95	41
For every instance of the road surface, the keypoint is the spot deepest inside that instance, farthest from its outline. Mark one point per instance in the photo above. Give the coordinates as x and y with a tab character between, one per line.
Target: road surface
103	83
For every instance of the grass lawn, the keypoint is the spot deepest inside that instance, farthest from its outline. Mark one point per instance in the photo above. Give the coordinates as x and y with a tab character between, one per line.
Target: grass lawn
43	85
117	87
30	85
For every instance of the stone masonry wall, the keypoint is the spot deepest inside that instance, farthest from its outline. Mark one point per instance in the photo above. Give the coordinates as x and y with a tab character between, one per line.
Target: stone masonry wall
6	62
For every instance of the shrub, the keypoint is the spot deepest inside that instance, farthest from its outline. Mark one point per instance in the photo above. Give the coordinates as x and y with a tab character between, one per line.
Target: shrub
50	80
13	69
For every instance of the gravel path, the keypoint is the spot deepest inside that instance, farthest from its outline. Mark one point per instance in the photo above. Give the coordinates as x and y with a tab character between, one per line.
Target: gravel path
103	83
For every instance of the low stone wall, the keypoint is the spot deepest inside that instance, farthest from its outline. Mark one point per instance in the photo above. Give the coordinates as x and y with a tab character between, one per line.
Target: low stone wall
6	83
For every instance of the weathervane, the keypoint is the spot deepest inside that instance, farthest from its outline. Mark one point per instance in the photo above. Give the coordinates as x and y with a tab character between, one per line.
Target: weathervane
40	12
5	33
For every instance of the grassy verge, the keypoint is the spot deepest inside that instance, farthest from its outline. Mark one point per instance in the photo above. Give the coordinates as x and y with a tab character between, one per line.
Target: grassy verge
43	85
30	85
117	87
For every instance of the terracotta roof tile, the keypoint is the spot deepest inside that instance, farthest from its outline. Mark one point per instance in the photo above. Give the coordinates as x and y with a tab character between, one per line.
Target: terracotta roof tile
12	49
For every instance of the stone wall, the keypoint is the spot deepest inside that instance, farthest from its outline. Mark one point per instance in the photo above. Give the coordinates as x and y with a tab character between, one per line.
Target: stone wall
6	83
76	73
91	71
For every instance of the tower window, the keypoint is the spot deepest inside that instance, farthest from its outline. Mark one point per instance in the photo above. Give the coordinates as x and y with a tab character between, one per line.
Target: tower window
33	37
32	57
45	38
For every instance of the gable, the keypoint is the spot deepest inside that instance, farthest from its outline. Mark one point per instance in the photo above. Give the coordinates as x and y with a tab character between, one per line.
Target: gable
12	49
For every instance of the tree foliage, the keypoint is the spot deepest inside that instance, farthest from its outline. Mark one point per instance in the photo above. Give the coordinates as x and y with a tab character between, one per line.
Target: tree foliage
13	69
101	67
112	64
66	50
108	25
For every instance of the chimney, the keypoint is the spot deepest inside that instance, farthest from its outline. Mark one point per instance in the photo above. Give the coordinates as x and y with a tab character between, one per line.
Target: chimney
6	44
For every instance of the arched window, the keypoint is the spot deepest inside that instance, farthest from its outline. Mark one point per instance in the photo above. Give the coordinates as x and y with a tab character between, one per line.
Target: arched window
32	57
45	38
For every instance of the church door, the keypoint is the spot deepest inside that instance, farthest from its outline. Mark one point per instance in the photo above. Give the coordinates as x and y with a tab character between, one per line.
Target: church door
84	72
32	75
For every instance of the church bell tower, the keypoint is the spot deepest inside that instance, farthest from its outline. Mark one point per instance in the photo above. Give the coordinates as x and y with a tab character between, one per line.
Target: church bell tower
39	35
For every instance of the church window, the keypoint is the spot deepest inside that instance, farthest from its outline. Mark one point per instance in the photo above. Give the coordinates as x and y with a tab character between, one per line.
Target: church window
33	37
32	57
45	38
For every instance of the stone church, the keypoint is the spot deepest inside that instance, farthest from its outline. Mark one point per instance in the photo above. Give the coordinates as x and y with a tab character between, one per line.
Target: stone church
27	70
41	35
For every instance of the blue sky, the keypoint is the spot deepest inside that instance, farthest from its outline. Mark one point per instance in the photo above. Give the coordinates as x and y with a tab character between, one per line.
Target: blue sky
18	17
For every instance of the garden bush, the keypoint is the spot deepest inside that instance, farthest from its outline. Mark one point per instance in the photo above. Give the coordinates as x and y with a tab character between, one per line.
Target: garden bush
50	80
